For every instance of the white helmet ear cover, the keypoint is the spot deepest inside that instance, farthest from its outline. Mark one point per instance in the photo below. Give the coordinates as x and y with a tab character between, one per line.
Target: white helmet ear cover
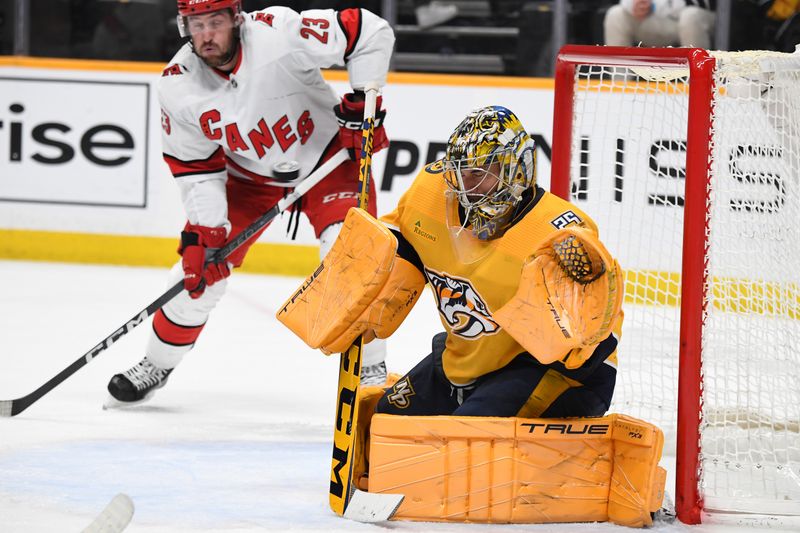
181	22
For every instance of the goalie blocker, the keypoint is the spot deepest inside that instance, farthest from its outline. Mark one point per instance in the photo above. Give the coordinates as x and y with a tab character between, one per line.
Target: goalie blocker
344	297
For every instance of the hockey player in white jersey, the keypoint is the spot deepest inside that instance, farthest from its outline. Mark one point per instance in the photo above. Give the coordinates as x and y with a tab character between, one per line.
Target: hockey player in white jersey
246	115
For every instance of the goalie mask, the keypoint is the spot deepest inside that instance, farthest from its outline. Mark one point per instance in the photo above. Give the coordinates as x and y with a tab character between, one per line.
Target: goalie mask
489	163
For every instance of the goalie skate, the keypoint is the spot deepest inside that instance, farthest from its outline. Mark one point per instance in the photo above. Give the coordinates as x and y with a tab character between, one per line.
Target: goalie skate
136	385
373	374
666	514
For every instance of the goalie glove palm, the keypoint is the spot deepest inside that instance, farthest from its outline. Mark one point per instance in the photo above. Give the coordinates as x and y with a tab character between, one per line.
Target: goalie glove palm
568	300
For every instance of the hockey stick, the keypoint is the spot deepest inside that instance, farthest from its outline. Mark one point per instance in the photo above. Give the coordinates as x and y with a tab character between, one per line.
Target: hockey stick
345	499
14	407
114	518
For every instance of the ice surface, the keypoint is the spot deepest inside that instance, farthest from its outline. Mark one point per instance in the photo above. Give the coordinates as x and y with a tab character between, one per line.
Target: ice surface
239	440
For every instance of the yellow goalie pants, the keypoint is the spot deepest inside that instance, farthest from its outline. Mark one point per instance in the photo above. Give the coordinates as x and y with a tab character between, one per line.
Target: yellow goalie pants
524	387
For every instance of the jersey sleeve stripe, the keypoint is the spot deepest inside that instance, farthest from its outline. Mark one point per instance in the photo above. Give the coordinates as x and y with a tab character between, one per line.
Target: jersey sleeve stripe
212	164
350	22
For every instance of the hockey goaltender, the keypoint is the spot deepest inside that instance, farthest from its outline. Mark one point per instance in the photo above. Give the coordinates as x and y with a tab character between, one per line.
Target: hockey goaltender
503	420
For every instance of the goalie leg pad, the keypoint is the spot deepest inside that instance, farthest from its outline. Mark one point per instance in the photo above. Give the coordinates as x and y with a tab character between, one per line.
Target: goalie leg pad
346	282
518	470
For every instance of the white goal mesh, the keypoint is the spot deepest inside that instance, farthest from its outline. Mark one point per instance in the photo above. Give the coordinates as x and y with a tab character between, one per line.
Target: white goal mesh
628	171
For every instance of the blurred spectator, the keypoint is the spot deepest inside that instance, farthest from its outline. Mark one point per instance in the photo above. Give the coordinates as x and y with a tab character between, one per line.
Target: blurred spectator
660	23
783	23
783	9
696	23
430	14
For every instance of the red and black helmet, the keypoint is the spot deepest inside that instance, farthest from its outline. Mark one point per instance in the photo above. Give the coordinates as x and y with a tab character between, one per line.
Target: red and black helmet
198	7
187	8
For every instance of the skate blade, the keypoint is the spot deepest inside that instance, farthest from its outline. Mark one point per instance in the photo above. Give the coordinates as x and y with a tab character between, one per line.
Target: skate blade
114	404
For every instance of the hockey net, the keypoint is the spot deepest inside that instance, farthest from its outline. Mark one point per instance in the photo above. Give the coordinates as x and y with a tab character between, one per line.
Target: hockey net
689	161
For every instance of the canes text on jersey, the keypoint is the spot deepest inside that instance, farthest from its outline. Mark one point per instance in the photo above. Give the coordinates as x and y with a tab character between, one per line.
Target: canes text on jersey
262	137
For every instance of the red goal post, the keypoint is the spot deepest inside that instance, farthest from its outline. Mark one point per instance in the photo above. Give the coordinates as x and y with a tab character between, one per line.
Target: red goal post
673	151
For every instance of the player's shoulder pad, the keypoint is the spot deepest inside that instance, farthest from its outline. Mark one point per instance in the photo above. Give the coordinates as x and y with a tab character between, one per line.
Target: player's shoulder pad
560	213
179	67
178	79
272	17
437	167
173	69
430	177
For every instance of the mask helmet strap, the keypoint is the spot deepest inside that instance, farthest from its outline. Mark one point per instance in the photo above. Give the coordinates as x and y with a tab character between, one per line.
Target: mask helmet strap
182	31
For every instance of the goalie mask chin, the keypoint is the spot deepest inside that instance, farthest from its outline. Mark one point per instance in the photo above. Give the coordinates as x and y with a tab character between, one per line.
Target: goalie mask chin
489	163
468	248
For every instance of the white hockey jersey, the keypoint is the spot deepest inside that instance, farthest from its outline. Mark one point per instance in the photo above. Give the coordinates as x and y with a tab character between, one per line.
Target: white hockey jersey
274	107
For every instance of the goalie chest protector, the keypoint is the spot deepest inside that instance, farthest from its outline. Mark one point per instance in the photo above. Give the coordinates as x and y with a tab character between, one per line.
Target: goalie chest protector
467	293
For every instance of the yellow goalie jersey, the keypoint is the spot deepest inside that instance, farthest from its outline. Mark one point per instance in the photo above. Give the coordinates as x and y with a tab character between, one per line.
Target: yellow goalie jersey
468	292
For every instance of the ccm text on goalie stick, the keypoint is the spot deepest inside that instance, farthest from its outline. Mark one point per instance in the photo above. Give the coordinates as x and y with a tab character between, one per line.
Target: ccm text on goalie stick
345	499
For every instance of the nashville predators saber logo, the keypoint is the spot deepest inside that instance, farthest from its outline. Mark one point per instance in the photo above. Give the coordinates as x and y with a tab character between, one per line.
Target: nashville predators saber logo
401	394
461	306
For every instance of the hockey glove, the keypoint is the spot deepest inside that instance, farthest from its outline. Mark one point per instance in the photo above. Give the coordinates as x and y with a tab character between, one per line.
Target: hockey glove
350	116
195	240
569	298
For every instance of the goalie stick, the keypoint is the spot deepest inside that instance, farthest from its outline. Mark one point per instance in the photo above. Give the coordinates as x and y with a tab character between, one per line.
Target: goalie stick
114	518
345	499
10	408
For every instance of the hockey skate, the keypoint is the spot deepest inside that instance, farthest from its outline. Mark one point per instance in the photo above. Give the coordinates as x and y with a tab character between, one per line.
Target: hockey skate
136	385
373	374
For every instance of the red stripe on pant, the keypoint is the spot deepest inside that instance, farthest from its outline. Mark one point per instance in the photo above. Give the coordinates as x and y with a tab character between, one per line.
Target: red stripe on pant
171	333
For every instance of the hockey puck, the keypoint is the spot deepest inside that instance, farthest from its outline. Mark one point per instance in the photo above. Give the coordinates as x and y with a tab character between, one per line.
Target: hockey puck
286	171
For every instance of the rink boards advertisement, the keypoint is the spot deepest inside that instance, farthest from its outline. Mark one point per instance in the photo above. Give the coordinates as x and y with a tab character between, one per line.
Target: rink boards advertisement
80	153
71	142
82	177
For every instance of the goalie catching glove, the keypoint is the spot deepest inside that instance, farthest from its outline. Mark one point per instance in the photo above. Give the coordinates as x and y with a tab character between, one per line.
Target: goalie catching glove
360	287
569	298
